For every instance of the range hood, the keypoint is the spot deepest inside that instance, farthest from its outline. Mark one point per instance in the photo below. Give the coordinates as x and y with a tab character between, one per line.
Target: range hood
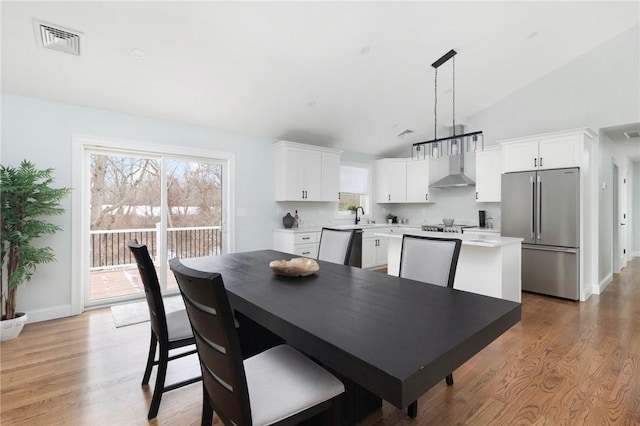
456	177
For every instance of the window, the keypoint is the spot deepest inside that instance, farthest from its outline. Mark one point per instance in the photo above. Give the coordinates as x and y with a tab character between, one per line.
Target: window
354	187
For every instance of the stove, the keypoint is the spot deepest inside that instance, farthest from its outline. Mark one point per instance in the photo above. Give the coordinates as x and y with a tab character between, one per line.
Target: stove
457	229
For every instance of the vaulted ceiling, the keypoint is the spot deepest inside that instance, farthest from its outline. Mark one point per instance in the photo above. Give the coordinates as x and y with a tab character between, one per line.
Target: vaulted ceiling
350	75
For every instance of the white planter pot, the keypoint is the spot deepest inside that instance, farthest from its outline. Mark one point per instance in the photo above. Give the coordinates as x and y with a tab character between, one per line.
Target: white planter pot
10	329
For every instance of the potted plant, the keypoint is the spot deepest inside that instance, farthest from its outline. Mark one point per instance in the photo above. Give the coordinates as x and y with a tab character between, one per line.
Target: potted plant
391	218
352	209
26	198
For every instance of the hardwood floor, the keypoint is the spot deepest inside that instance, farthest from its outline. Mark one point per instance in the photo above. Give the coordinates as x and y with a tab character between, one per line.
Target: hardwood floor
564	363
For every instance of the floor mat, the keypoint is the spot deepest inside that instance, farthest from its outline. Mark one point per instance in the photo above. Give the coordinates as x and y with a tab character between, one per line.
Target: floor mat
137	312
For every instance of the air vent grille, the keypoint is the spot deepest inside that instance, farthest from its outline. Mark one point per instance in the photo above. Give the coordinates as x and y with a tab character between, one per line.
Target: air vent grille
60	40
634	134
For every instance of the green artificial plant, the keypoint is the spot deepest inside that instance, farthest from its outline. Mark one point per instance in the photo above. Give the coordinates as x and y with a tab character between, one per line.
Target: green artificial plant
26	197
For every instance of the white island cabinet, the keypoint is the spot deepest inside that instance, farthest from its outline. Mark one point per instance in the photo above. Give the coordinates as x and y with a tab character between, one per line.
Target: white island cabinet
488	264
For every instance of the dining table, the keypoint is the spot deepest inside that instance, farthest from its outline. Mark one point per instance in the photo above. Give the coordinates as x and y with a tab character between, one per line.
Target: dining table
388	338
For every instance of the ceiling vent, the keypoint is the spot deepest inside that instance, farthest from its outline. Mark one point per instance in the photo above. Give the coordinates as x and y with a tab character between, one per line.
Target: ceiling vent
58	38
633	134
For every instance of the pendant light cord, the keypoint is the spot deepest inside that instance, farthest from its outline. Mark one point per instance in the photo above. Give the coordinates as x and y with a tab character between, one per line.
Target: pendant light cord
435	106
454	95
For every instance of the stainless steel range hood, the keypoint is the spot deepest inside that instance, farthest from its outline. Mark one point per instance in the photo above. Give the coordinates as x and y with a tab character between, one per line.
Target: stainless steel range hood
456	177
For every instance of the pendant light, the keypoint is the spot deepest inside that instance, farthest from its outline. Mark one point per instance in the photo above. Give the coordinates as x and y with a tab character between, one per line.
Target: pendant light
450	145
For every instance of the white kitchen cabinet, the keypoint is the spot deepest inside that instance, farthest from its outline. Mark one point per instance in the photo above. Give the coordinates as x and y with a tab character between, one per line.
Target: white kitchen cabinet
488	174
391	180
417	181
549	151
374	248
305	172
330	176
303	244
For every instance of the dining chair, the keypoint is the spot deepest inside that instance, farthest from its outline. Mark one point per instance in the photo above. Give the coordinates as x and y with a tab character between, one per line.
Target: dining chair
335	245
277	386
431	260
168	331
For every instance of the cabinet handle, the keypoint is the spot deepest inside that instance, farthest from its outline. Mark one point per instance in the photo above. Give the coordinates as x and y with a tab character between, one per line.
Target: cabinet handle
426	197
302	194
306	238
535	162
540	161
389	197
306	252
476	194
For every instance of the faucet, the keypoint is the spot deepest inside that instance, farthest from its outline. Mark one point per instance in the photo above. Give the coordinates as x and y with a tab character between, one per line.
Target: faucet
357	218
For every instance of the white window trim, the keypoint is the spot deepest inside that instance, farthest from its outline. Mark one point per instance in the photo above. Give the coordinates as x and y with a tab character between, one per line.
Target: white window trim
79	199
369	167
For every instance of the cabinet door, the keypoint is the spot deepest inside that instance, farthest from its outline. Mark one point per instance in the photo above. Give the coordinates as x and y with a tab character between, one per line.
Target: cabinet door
417	181
488	175
289	174
560	152
312	175
519	156
330	176
381	173
397	181
381	251
369	246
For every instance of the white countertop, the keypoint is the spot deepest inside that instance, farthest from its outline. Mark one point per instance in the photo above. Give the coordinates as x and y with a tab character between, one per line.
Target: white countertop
364	227
469	240
477	228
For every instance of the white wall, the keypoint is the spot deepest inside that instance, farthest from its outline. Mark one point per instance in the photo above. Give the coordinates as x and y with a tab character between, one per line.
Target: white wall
41	131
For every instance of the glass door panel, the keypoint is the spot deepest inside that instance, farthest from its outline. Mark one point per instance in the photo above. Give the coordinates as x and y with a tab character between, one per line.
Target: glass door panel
125	201
194	214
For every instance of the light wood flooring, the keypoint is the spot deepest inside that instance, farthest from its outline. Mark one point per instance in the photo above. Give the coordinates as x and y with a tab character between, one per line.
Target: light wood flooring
565	363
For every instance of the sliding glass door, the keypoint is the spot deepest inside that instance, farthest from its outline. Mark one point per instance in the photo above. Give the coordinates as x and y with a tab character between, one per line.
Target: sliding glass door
172	204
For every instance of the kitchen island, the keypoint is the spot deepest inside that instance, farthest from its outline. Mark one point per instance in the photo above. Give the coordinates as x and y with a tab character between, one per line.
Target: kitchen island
488	264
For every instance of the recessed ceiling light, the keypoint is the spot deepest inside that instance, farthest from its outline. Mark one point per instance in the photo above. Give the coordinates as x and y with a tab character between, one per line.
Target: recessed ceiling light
312	102
137	53
532	35
365	50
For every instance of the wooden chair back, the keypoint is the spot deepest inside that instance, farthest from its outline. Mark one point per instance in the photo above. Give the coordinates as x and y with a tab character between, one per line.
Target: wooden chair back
212	322
152	291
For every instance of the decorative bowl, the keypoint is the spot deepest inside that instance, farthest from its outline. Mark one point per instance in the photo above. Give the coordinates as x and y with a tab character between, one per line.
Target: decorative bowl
448	222
296	267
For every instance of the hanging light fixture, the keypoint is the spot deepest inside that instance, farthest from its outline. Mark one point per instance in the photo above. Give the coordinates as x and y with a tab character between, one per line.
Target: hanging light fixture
450	145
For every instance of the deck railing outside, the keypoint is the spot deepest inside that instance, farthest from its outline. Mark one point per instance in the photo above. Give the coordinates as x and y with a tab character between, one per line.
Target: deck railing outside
109	248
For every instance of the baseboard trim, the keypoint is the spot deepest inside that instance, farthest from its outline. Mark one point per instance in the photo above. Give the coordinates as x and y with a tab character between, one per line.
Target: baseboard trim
635	254
597	289
53	312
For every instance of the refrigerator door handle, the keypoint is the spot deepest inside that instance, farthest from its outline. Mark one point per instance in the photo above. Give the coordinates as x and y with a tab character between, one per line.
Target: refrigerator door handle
533	216
550	248
539	207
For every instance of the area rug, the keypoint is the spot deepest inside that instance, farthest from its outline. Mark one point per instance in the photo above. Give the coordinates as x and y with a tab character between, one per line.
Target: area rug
137	312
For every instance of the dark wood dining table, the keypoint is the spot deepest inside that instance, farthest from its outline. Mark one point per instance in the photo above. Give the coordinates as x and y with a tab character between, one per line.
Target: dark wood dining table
390	337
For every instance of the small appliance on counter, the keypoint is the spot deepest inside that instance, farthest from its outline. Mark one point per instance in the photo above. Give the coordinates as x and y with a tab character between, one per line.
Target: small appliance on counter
482	218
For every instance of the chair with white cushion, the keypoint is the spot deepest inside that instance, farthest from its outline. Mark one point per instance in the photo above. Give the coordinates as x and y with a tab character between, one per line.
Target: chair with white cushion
335	245
277	386
431	260
168	331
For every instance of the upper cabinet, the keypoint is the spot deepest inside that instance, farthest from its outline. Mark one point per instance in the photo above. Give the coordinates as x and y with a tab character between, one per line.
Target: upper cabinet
306	172
418	181
488	174
550	151
402	180
391	180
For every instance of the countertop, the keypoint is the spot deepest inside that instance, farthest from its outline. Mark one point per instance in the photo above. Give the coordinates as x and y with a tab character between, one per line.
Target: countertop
364	227
468	240
477	228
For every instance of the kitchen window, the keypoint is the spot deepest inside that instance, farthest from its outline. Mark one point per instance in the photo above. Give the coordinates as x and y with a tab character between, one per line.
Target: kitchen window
355	181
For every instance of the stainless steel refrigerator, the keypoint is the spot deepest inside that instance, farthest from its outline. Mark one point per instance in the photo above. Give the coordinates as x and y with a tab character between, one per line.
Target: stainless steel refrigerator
543	208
